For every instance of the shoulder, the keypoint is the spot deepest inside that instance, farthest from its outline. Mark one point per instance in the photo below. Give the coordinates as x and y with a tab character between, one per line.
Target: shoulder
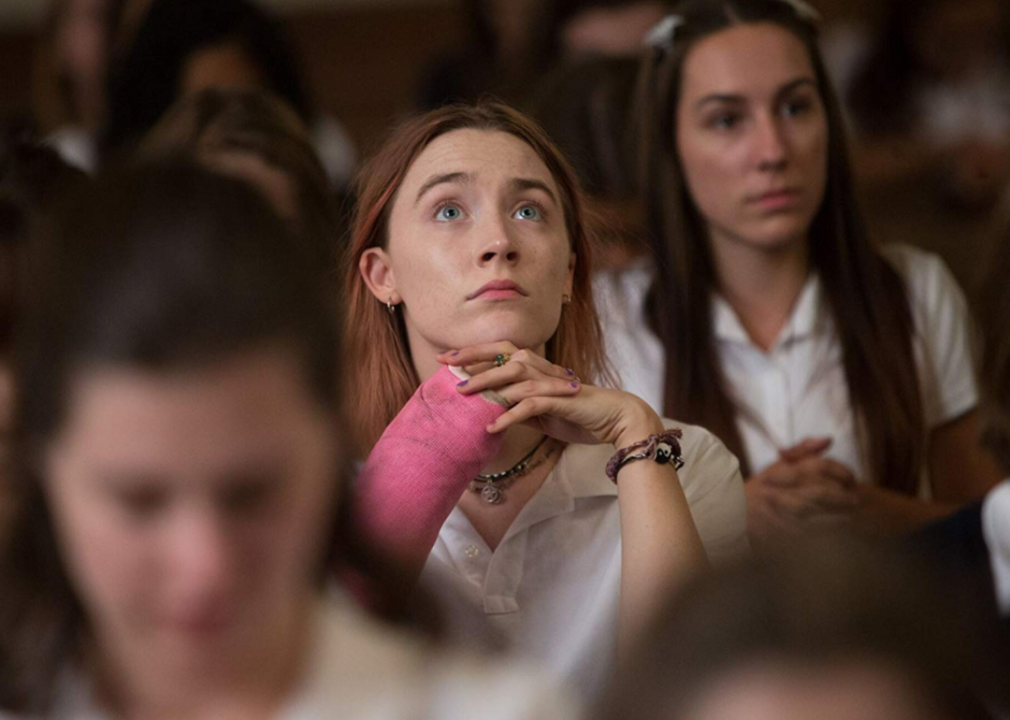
704	453
363	667
714	489
926	275
620	294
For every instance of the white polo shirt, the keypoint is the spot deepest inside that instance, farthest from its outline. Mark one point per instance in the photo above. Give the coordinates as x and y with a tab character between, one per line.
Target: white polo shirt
361	670
797	389
549	592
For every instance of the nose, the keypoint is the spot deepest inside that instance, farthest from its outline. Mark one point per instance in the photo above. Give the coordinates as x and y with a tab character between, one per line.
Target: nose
201	558
771	147
497	245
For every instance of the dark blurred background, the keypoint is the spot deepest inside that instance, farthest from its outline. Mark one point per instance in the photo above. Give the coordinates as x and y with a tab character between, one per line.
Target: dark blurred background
367	61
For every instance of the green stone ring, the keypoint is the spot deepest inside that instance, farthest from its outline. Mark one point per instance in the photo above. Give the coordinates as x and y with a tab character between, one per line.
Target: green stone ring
501	358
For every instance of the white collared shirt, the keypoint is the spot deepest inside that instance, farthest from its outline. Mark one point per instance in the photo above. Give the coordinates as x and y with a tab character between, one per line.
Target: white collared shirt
549	592
797	389
361	670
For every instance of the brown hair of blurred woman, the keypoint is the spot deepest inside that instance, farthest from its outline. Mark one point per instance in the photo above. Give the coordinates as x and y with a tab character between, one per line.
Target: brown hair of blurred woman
257	137
816	612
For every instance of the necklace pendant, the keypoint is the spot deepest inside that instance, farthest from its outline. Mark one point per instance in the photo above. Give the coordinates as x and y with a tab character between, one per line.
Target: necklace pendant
492	495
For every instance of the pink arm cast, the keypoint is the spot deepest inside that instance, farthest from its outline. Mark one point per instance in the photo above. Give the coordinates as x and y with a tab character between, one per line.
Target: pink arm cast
422	464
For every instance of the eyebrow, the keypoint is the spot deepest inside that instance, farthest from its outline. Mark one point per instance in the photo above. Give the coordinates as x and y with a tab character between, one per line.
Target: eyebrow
448	178
520	184
731	98
463	178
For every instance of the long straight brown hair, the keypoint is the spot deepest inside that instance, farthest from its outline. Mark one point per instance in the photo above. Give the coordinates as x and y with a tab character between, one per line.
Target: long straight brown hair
866	296
380	375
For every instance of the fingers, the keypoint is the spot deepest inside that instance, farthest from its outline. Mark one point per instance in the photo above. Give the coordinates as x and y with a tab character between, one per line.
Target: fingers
521	365
517	392
475	354
838	472
521	412
803	450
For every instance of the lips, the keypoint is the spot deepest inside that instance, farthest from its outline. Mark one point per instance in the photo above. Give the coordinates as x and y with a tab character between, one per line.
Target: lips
498	290
780	199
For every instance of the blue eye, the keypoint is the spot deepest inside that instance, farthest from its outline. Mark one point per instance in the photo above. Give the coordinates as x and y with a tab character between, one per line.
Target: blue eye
447	213
528	212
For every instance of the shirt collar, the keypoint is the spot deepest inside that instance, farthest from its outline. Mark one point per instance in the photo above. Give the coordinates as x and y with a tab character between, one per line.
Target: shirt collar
805	320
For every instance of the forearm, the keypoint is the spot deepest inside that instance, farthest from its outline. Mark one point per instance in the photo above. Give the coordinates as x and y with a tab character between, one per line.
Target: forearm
660	545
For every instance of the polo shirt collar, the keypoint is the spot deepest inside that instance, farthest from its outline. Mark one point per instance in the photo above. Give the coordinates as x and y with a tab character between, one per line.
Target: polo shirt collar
805	320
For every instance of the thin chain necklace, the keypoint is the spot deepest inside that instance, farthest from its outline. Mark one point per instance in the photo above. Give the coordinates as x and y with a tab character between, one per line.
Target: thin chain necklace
492	486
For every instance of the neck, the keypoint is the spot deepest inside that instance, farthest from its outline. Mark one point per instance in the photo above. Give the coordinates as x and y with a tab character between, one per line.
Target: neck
244	679
761	285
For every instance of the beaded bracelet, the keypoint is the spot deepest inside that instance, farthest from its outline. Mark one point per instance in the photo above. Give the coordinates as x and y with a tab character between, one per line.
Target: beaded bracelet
653	449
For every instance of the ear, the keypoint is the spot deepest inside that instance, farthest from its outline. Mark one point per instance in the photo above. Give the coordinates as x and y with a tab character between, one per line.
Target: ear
570	280
377	270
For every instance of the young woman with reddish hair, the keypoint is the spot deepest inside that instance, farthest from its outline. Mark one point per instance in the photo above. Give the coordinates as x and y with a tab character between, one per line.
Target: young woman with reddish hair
470	323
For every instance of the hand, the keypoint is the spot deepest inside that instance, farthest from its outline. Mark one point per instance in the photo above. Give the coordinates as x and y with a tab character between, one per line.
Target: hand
552	399
802	492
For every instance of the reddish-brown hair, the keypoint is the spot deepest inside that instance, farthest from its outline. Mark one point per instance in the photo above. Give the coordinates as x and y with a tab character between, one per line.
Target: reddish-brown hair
380	375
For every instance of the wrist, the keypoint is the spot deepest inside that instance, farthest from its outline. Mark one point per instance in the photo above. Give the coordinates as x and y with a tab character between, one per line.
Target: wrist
640	422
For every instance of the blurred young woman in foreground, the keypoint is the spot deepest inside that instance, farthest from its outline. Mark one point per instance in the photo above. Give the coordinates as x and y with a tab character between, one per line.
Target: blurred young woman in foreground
179	447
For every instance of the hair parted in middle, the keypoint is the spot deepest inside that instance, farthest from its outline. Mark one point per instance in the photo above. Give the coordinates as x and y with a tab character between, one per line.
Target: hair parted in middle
864	294
380	374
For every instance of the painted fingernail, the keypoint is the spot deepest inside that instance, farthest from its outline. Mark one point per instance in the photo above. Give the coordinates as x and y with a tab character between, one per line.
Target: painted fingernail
462	383
569	371
454	353
575	385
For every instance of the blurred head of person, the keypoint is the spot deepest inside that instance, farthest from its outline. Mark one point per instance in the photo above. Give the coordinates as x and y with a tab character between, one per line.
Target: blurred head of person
454	199
922	42
585	106
255	136
71	62
743	152
833	631
180	47
177	448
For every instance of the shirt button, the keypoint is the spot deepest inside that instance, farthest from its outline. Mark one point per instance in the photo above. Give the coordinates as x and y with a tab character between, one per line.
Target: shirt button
472	551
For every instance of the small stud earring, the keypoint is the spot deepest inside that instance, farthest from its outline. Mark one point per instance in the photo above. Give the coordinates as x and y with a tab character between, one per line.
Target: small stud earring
565	299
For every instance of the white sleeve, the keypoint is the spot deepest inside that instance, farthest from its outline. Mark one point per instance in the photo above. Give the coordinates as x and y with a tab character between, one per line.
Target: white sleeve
943	330
714	489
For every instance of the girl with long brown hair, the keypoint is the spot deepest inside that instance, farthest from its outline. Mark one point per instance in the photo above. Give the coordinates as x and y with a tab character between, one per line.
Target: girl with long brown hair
469	275
838	373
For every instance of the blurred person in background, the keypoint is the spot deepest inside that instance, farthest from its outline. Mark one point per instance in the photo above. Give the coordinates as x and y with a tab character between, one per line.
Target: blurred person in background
974	544
833	632
514	42
177	490
840	376
255	136
169	49
33	180
69	76
932	97
491	468
585	107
